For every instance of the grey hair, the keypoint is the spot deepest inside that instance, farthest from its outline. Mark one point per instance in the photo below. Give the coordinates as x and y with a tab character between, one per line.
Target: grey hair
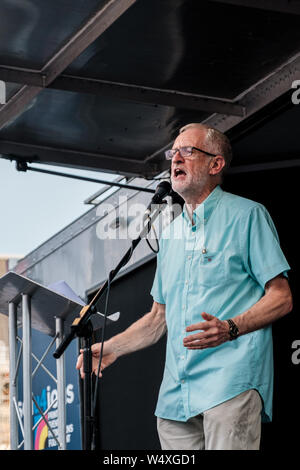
215	142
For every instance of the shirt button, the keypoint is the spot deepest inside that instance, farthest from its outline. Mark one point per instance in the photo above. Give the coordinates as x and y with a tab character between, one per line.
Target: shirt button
189	257
182	381
204	251
186	283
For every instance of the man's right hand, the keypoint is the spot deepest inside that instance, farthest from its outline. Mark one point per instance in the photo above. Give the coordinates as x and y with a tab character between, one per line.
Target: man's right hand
144	332
107	359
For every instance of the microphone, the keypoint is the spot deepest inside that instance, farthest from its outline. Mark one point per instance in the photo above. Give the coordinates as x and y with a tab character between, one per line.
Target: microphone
163	189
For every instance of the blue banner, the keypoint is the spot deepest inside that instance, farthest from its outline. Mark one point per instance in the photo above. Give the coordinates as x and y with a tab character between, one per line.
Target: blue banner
44	390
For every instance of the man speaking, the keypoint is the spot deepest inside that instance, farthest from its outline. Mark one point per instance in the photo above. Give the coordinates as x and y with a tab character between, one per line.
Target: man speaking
220	282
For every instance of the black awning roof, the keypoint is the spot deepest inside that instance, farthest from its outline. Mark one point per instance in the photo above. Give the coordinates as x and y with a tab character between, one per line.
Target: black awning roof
106	85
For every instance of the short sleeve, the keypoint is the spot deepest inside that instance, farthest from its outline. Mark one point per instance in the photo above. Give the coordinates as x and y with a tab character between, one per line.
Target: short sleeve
263	257
157	287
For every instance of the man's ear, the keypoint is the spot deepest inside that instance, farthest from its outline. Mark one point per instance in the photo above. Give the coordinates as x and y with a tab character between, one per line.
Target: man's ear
217	165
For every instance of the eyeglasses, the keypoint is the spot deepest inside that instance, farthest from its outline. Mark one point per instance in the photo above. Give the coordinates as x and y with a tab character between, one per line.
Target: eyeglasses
185	152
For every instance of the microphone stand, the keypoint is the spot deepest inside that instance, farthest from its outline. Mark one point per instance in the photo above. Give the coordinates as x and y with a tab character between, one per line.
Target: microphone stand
82	328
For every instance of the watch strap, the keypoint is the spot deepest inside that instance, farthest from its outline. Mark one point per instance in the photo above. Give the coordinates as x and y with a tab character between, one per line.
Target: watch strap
233	330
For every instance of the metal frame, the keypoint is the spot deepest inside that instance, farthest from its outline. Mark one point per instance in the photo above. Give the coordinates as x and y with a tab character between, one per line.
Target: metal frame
23	76
25	350
282	6
61	156
140	93
247	103
224	114
264	166
91	30
262	93
145	94
253	99
91	200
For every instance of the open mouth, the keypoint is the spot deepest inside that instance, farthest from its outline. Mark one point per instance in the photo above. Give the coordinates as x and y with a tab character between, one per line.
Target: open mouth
178	172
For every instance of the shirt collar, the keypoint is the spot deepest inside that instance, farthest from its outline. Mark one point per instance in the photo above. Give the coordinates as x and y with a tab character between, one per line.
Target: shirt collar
206	207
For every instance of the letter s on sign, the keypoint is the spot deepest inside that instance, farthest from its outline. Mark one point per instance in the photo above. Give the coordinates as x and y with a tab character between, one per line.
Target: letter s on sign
296	94
296	354
70	393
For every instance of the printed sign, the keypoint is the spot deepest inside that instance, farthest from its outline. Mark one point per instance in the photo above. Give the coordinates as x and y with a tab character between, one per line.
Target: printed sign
44	390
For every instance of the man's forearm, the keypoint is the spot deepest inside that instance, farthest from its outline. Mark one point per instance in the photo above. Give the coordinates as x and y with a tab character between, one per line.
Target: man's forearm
141	334
268	309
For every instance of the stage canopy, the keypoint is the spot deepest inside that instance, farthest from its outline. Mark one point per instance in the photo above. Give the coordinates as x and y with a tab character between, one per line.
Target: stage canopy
105	85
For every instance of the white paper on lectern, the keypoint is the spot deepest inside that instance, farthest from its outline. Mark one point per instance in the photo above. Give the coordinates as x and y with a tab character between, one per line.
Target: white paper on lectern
61	287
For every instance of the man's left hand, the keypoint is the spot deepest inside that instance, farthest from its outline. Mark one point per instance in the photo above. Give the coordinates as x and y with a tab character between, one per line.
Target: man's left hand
214	332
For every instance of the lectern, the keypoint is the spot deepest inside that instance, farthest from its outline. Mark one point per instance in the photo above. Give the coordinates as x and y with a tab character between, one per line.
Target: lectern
29	304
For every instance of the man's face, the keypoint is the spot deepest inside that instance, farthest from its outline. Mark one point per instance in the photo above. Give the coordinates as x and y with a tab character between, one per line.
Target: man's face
193	176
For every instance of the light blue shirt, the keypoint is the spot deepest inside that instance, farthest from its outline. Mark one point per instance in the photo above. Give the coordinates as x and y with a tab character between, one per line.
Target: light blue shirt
220	266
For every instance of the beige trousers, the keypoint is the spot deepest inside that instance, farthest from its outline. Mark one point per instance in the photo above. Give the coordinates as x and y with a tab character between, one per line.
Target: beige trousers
232	425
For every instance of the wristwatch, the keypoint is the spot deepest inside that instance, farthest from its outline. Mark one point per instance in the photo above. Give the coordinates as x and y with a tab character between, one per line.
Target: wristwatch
233	330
